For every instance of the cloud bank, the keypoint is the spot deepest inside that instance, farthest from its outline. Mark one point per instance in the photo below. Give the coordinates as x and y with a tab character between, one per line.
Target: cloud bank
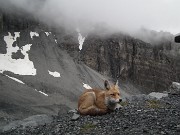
123	15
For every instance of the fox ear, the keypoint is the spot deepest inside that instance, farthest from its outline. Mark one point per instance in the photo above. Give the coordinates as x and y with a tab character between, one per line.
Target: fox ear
106	85
117	83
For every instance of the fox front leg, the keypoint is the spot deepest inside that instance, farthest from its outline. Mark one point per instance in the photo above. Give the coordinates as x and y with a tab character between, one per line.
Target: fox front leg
100	111
118	106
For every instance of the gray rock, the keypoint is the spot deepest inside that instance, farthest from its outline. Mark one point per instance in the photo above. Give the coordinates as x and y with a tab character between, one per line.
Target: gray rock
174	88
75	116
73	111
139	97
158	95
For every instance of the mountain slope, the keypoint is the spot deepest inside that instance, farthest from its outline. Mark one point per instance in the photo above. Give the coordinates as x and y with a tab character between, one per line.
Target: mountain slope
41	73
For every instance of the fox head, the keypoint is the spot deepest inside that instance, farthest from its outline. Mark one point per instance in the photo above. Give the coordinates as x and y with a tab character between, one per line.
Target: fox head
112	94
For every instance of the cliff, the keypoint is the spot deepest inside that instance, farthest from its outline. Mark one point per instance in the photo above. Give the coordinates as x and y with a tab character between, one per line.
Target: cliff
153	67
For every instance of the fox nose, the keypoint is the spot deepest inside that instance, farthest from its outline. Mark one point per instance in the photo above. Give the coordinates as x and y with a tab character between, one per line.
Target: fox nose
120	100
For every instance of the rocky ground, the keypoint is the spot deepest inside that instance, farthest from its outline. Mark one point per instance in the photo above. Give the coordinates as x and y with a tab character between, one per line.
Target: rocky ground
138	116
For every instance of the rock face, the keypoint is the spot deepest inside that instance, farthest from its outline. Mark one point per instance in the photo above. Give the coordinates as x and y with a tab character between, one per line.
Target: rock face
121	56
15	21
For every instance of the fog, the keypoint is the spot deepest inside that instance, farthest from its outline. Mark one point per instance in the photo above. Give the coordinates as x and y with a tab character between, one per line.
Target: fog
123	15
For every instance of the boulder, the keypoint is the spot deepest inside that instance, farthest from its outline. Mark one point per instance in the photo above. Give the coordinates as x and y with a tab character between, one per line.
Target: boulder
174	88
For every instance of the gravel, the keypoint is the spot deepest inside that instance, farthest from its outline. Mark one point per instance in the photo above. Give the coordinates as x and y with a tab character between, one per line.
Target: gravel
141	117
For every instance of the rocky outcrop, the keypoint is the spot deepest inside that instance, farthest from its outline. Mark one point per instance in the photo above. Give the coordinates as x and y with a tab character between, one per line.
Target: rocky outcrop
174	88
122	56
20	20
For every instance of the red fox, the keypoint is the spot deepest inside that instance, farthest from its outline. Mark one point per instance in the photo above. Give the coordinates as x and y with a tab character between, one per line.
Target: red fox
99	102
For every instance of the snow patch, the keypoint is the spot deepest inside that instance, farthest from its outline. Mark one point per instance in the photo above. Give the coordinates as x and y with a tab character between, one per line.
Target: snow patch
86	86
47	33
34	34
15	79
55	74
19	66
41	92
158	95
80	39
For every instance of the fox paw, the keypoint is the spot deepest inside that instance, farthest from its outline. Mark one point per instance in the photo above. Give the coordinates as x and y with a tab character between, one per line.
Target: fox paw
118	107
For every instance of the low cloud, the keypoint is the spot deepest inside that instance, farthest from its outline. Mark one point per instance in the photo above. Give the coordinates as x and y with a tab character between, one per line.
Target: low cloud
123	15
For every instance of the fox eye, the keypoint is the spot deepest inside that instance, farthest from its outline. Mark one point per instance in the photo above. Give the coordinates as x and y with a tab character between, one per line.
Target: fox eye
118	94
112	94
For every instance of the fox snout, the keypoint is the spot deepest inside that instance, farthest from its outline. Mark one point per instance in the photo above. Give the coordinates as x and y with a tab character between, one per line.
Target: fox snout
113	100
120	100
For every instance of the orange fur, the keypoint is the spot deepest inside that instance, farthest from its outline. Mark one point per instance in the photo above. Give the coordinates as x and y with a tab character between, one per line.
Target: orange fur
99	102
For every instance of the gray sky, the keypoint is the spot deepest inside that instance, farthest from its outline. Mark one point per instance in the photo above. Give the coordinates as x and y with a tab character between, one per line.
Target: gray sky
125	15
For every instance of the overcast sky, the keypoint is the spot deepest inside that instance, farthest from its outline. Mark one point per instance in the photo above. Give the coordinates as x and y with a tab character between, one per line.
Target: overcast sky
126	15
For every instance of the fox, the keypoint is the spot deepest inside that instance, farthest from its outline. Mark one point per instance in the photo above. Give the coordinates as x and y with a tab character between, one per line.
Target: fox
99	102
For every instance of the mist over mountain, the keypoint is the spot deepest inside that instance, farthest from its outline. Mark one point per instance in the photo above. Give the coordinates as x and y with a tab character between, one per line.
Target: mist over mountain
127	16
154	37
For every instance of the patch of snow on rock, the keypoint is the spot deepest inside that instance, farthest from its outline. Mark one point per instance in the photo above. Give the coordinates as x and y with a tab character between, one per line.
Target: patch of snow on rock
35	89
34	34
47	33
17	66
43	93
55	74
80	39
86	86
158	95
15	79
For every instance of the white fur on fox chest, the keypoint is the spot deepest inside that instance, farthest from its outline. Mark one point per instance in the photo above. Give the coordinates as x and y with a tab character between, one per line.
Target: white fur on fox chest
110	104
